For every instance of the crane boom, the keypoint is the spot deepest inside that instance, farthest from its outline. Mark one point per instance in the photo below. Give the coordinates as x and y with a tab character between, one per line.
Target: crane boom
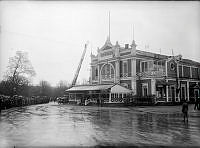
79	66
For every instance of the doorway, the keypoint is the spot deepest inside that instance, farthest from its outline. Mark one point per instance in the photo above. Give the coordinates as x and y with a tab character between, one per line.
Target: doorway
173	93
183	92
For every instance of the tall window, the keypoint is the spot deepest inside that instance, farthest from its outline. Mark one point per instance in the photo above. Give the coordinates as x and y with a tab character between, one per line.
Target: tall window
144	66
107	71
96	72
125	67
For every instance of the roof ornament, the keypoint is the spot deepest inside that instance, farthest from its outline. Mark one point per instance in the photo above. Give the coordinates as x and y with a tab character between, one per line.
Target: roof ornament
133	42
117	44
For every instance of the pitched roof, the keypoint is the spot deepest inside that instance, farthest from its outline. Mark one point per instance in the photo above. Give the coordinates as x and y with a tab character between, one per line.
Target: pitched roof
90	87
191	62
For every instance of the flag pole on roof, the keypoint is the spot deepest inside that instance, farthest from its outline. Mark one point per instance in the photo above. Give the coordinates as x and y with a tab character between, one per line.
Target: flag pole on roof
109	24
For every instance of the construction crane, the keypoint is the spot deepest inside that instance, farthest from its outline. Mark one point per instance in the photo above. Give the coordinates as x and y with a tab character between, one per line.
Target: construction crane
79	66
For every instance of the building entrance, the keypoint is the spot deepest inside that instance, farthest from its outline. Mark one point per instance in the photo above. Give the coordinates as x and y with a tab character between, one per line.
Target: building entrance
173	93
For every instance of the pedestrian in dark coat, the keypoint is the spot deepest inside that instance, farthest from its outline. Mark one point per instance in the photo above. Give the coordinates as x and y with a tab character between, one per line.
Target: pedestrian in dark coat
185	110
196	103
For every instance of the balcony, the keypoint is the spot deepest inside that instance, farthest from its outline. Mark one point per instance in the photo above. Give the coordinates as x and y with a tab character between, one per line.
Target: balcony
152	74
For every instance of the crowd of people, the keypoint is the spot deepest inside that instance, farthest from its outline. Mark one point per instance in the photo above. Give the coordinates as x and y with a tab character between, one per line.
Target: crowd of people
7	102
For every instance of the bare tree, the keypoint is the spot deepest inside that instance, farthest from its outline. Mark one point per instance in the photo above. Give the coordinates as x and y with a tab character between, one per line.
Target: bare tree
19	72
59	90
45	88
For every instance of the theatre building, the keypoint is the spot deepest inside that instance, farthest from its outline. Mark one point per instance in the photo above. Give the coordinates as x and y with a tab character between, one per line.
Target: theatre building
167	78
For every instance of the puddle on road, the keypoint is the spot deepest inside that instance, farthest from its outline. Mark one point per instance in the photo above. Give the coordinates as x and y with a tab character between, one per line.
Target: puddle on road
66	125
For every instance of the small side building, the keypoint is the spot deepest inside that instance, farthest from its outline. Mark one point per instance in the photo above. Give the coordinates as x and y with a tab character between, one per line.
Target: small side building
103	94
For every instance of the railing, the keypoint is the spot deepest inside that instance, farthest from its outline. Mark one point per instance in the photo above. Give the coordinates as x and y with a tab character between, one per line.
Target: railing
107	77
150	74
125	75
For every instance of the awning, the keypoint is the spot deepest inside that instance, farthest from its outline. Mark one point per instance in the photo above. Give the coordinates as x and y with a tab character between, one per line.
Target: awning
89	88
114	88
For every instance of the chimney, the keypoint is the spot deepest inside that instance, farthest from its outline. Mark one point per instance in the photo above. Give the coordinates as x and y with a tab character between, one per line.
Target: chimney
126	46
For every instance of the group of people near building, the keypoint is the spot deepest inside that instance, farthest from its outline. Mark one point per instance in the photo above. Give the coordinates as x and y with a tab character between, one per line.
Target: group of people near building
7	102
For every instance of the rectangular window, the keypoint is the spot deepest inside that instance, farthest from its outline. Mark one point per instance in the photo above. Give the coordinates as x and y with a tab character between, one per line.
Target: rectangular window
125	68
186	71
150	65
144	66
180	71
195	73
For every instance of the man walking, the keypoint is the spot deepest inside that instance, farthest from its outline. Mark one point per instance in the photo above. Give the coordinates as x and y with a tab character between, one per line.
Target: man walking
185	110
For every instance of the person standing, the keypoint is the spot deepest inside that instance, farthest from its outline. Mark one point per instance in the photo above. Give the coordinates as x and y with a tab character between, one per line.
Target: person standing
185	110
196	103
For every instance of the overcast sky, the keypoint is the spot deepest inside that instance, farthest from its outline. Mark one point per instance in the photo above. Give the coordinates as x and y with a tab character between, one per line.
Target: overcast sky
54	33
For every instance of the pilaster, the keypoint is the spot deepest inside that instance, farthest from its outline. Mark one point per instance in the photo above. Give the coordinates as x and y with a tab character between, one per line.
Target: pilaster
153	86
188	91
117	77
99	74
167	92
133	75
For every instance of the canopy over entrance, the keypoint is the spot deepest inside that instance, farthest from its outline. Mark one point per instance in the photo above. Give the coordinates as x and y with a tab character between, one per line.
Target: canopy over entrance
116	88
119	89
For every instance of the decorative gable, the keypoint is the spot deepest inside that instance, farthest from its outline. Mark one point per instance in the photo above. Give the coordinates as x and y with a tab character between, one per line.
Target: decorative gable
107	45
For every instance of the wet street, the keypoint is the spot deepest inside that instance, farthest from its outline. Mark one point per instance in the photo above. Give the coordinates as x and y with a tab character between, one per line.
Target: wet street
66	125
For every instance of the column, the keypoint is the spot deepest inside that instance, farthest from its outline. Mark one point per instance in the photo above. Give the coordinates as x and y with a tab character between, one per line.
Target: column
179	92
167	92
188	90
110	97
133	75
153	86
90	81
117	76
99	74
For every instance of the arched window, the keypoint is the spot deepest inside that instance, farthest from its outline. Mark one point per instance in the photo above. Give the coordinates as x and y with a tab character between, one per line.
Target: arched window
107	72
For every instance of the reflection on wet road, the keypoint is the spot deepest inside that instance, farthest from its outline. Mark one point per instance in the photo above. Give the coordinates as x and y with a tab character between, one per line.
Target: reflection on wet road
67	125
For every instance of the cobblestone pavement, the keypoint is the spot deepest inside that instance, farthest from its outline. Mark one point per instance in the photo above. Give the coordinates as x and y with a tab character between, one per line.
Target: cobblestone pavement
66	125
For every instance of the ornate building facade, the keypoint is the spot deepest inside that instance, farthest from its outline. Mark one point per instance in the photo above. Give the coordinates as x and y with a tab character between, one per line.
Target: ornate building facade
169	78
